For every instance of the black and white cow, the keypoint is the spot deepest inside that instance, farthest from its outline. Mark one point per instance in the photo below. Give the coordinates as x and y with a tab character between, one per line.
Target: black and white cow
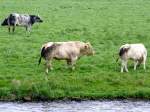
24	20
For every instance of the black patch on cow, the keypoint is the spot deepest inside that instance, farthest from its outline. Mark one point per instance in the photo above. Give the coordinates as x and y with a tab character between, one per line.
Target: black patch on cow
11	20
34	19
122	51
5	22
141	59
45	52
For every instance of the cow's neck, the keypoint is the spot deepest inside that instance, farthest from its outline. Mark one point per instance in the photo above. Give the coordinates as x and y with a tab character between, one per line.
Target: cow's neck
32	21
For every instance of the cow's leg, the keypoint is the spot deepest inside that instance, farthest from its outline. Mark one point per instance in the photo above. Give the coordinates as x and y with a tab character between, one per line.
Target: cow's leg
28	28
144	66
68	62
13	28
73	62
144	62
122	66
48	66
9	29
126	68
135	64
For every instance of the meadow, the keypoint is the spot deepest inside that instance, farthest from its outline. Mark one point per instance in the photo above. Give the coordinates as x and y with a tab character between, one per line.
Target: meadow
107	24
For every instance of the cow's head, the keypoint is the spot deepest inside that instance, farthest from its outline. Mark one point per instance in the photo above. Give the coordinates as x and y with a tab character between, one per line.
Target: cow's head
34	19
5	22
88	49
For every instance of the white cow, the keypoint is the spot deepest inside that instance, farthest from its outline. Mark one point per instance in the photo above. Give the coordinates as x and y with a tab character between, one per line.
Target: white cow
136	52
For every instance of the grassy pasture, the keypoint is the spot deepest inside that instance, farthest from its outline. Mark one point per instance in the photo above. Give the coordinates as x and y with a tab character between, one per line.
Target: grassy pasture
107	24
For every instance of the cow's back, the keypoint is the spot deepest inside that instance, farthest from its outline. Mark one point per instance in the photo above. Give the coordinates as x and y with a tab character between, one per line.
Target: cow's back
67	49
21	19
137	50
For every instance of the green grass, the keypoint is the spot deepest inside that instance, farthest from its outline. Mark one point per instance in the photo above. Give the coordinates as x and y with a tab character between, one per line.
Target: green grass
107	24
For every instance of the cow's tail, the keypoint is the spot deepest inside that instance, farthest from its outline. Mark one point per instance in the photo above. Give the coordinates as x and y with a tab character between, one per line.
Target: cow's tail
42	55
40	60
116	59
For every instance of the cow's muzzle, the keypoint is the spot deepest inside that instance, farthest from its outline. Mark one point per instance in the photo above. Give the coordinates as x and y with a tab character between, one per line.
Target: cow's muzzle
40	21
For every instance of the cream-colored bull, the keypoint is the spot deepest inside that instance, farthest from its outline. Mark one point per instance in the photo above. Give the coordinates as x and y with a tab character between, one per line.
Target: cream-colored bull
70	51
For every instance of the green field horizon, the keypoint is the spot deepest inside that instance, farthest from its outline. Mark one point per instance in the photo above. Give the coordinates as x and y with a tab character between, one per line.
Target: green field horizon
106	24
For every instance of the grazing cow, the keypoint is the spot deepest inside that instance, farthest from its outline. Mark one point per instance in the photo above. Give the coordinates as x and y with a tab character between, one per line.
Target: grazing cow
136	52
24	20
69	51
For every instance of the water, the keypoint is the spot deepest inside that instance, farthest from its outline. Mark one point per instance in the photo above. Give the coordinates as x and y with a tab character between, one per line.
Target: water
72	106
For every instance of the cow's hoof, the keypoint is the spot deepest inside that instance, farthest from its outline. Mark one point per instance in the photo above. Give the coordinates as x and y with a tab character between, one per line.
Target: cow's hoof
46	71
28	35
51	68
73	68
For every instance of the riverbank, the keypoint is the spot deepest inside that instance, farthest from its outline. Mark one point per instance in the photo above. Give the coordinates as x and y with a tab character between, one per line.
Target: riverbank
83	106
106	24
76	87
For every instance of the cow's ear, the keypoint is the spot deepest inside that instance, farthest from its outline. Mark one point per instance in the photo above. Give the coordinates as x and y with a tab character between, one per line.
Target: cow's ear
34	17
88	43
